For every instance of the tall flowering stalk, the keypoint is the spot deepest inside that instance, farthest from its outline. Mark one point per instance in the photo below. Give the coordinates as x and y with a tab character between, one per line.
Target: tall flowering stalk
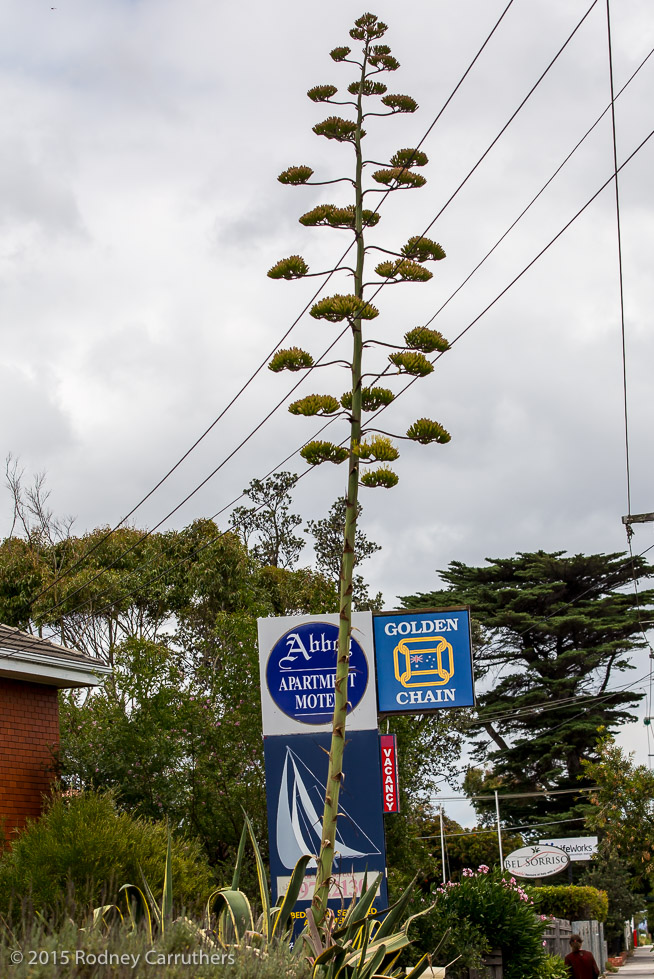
366	447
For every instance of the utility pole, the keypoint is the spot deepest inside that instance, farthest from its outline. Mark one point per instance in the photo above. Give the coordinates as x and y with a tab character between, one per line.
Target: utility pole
442	845
499	829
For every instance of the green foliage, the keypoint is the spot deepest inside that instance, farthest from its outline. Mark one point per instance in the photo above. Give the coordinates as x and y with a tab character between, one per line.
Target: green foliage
464	848
622	806
609	873
328	535
328	215
322	93
425	430
570	901
400	103
409	158
399	177
426	340
335	309
293	267
84	847
371	398
267	527
318	452
383	477
295	175
556	631
184	952
423	249
315	404
364	947
403	270
162	732
486	909
379	448
553	968
408	362
293	359
334	127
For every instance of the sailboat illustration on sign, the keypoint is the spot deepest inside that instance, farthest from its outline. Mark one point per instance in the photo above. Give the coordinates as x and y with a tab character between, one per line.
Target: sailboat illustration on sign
298	822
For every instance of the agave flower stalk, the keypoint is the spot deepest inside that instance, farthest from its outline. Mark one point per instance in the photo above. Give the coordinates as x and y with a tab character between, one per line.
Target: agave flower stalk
355	309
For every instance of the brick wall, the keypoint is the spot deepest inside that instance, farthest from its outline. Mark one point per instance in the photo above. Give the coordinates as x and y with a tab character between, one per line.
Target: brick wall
29	729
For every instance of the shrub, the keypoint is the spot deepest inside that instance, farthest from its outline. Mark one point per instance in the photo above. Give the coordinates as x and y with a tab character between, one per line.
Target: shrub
84	848
571	902
554	968
486	909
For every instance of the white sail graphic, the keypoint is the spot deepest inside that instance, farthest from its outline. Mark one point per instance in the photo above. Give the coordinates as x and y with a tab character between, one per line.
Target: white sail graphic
298	823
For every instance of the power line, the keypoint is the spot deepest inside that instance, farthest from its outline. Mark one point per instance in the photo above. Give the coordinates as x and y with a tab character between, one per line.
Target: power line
328	276
502	293
513	795
508	829
512	117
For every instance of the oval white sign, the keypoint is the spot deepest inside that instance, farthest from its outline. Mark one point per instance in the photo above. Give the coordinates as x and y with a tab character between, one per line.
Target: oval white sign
536	861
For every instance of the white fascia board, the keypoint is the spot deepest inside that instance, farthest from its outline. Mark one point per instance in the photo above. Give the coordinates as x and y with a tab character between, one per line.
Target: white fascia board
56	671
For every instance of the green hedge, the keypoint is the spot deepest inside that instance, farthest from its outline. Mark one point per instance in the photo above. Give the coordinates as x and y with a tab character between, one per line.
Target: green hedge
571	902
83	849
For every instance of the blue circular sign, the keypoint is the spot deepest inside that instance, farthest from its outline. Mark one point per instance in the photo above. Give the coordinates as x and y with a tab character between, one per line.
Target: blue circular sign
301	671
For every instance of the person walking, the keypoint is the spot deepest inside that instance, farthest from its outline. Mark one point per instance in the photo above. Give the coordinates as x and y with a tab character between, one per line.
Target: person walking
581	964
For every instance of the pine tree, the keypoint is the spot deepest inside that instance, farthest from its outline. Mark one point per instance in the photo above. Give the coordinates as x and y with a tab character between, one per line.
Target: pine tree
555	639
367	446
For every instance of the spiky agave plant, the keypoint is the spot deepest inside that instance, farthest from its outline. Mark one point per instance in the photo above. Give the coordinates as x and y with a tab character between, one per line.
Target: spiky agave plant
405	265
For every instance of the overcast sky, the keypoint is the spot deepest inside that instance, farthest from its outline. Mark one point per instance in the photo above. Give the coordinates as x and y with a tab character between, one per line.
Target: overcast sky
140	211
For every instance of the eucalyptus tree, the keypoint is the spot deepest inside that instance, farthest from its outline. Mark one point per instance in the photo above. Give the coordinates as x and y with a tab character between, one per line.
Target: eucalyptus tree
366	446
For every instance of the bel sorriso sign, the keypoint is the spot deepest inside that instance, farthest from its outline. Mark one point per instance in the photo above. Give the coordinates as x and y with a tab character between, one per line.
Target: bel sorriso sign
423	660
536	861
297	662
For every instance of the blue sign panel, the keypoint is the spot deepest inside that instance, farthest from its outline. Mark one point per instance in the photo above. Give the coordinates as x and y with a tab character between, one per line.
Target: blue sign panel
301	671
296	774
423	660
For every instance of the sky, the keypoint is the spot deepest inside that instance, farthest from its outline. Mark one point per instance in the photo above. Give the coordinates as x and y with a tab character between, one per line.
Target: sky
140	211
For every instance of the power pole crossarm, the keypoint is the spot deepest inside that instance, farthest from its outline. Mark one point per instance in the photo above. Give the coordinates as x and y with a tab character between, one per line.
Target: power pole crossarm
638	518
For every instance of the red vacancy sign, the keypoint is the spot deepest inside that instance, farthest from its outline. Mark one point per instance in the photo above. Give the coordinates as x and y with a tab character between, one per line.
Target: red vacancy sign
391	793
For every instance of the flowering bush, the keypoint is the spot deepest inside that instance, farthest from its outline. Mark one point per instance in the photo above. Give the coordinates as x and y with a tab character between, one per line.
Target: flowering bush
486	909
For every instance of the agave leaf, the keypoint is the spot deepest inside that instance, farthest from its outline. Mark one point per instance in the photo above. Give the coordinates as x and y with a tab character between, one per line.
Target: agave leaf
388	965
419	968
239	858
141	904
372	964
234	911
263	880
292	891
396	911
152	901
167	896
418	914
363	905
313	938
362	940
391	945
99	914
